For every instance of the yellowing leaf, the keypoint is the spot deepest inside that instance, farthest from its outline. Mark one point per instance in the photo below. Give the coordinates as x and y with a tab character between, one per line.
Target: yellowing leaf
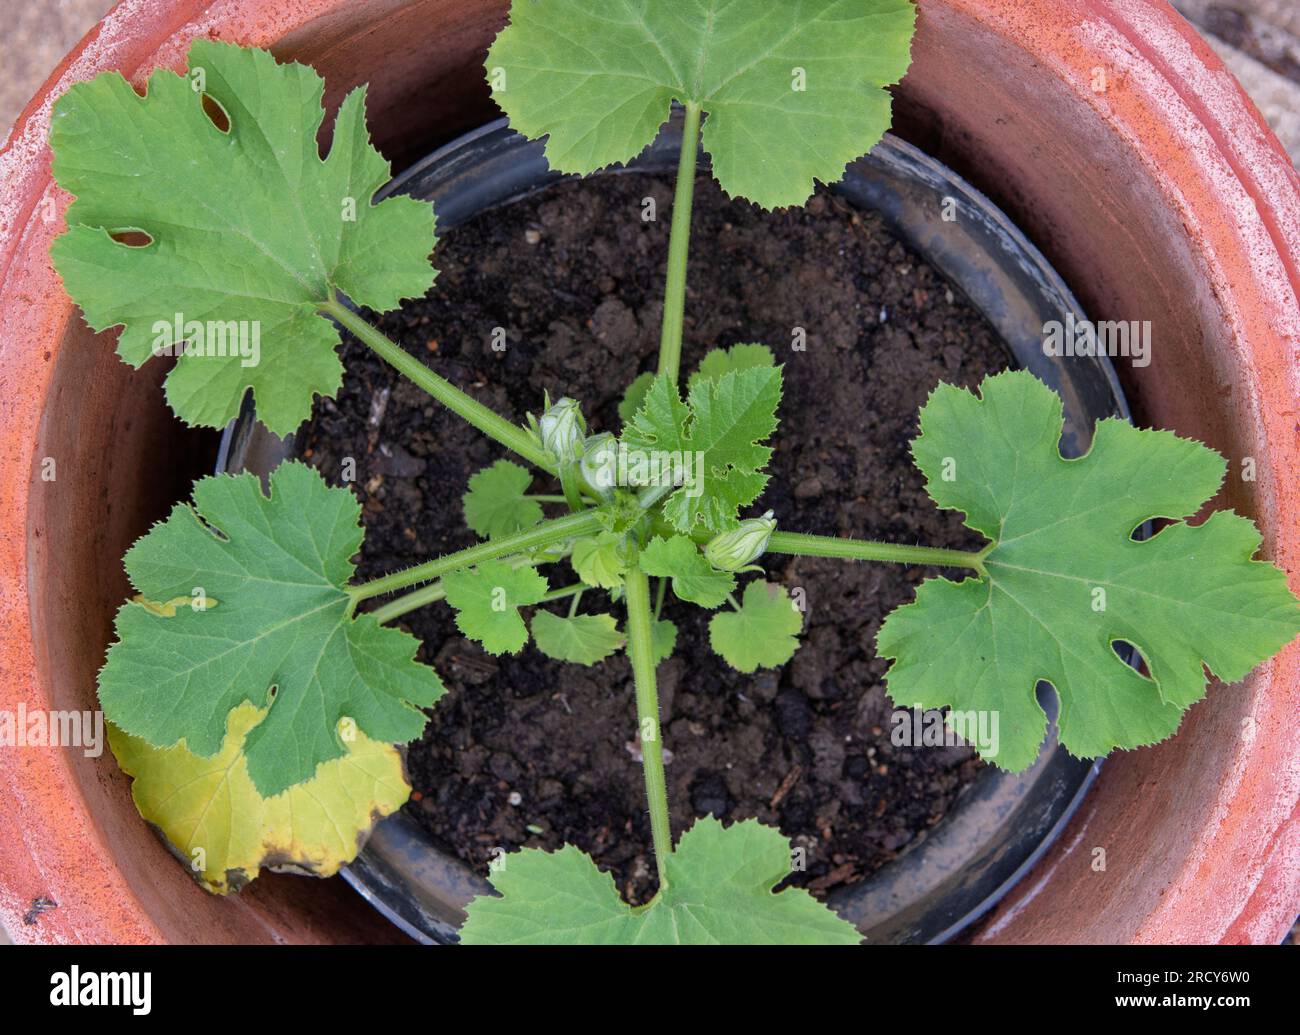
213	816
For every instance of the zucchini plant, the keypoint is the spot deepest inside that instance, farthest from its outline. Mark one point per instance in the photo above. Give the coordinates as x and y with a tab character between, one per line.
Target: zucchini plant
257	690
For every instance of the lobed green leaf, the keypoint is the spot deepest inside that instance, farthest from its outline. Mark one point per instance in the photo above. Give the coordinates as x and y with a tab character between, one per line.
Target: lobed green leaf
496	505
793	91
599	560
694	578
271	625
1066	582
583	639
725	421
762	633
663	638
719	892
487	600
717	362
249	229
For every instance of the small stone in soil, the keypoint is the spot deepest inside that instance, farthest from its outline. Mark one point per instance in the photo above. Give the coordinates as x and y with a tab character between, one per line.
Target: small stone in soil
792	714
709	795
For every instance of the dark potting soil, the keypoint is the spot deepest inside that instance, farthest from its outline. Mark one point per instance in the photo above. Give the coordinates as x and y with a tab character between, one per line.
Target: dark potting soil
527	751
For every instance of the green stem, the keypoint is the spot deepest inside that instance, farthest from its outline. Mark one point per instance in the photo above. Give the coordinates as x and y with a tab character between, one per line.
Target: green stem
662	585
647	714
869	550
575	590
569	483
434	592
573	604
408	602
486	420
652	494
679	243
544	498
569	527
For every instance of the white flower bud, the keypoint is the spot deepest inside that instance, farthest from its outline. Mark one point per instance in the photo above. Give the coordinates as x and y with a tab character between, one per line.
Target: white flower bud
744	544
562	429
599	464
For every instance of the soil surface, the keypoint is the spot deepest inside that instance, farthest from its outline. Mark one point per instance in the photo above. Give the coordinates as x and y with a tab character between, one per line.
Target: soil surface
527	751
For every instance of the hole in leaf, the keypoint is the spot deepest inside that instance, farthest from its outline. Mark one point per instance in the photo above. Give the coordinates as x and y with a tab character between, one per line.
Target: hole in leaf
1148	529
131	237
216	113
1131	656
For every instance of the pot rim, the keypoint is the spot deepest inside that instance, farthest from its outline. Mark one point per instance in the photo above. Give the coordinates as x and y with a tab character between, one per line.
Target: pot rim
1179	118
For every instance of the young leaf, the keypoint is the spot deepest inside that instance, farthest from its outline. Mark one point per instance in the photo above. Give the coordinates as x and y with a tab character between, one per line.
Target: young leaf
762	634
272	571
694	578
725	420
635	396
487	600
495	504
599	560
250	230
793	91
717	362
719	892
584	639
213	816
663	638
1066	580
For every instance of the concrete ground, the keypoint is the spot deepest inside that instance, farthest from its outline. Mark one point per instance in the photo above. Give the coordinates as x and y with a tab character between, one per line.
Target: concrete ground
35	36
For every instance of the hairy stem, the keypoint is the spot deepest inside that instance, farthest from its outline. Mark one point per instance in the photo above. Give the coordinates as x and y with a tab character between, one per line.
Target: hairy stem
679	243
639	649
869	550
486	420
409	602
553	531
434	592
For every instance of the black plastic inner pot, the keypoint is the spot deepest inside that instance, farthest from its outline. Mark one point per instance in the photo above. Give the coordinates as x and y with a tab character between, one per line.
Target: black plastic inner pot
1002	823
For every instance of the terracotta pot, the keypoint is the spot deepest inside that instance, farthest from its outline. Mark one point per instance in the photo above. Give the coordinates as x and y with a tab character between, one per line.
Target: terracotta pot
1108	130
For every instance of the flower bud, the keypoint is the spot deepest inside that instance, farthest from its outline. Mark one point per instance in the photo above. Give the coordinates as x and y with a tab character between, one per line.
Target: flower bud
562	429
744	544
599	464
